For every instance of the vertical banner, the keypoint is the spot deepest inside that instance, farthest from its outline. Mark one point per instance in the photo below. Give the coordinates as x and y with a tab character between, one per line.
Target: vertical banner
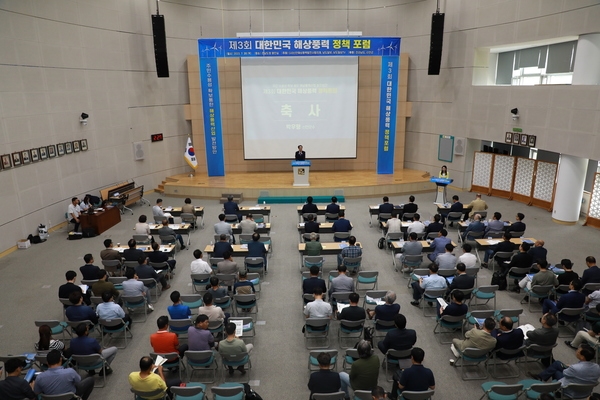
388	98
211	109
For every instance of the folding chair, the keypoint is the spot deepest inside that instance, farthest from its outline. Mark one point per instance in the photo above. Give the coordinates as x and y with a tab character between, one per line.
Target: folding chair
349	358
313	363
193	301
499	257
352	263
362	395
497	390
223	302
141	239
415	274
216	327
133	303
117	281
486	293
245	303
329	396
316	328
331	217
431	296
536	353
571	317
199	282
231	218
255	279
473	316
248	324
112	266
235	361
399	358
152	284
172	361
372	297
191	391
56	327
517	274
310	261
189	218
410	262
517	234
341	236
112	326
367	278
412	395
179	326
451	324
513	313
154	394
89	363
533	389
577	390
382	327
201	361
539	292
255	264
350	329
228	391
471	357
504	357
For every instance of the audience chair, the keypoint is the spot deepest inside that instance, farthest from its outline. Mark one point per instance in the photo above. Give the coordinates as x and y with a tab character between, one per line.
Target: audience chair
161	266
399	358
474	315
412	395
410	262
538	292
486	293
533	389
129	264
431	296
393	237
56	327
189	218
306	275
329	396
228	391
382	327
331	217
454	216
199	282
216	327
316	329
408	216
93	327
141	239
255	279
192	391
472	240
352	263
517	234
4	359
504	357
231	218
248	324
571	318
483	215
516	273
313	364
307	298
89	363
227	279
499	257
447	273
466	292
95	301
340	297
152	284
349	358
62	396
245	303
471	357
201	361
217	238
88	282
500	390
258	218
473	271
173	361
254	264
179	326
157	394
373	298
341	236
112	266
383	217
350	329
590	287
235	361
367	278
193	301
133	303
112	326
332	274
449	324
213	261
245	239
309	261
536	353
582	390
362	395
513	313
415	274
65	303
223	302
495	234
117	281
430	235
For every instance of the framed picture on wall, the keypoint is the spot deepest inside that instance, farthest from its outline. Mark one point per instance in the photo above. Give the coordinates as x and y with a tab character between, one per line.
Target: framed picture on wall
84	145
524	140
52	151
68	147
516	138
35	155
60	149
43	152
16	159
6	161
508	137
532	140
76	146
25	157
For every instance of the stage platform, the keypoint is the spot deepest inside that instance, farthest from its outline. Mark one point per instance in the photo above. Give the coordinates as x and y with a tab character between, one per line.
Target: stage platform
322	183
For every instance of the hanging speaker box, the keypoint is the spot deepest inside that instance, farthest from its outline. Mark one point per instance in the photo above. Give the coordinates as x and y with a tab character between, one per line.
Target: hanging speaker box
160	46
435	46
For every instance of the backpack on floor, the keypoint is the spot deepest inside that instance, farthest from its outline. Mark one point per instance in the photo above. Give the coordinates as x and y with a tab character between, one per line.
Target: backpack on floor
251	394
381	243
499	279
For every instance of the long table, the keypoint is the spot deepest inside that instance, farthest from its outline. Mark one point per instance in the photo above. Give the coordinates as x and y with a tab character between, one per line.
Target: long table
264	210
239	250
334	248
165	248
100	221
493	242
261	228
374	211
398	245
324	227
176	212
182	229
321	211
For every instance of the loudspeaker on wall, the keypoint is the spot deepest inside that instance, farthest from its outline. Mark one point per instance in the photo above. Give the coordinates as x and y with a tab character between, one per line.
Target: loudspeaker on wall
435	46
138	151
160	46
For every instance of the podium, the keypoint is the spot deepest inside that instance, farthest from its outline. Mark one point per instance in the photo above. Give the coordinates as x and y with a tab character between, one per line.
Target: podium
301	170
440	196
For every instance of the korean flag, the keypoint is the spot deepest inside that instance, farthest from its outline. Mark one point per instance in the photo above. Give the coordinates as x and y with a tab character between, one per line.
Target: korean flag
189	155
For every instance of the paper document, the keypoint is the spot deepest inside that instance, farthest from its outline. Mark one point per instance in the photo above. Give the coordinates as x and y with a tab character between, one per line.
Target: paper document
341	306
526	328
261	225
493	242
442	302
480	322
244	246
169	208
378	301
343	245
254	208
84	288
301	224
239	327
160	360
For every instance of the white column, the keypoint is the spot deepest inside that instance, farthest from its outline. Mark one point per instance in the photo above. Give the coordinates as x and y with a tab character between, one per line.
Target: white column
569	189
586	70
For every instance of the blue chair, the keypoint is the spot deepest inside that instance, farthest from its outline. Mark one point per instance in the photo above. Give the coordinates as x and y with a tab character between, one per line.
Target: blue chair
310	261
473	316
513	313
504	357
193	301
486	293
313	364
317	328
201	361
135	303
228	391
173	361
248	325
533	389
89	363
367	278
500	391
431	296
539	292
254	264
372	297
398	358
412	395
139	395
449	324
255	279
350	329
191	391
179	326
56	327
199	282
471	357
216	327
245	303
235	361
112	326
349	358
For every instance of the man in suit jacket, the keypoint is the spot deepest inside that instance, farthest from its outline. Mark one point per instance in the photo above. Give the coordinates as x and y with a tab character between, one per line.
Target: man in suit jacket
572	299
591	274
300	154
399	338
109	253
311	225
309	207
475	226
157	256
257	249
477	205
231	207
166	230
434	226
132	254
309	285
221	247
507	338
496	224
439	245
227	266
538	251
520	260
456	308
410	207
385	208
223	227
518	225
462	280
333	208
341	225
544	336
456	206
89	270
504	246
478	338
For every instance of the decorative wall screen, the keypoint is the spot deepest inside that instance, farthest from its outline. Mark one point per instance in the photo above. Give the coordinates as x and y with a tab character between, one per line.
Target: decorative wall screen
502	178
593	215
544	185
523	180
482	171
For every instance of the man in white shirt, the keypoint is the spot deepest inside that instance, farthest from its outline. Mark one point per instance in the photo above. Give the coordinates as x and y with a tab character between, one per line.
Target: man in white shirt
74	211
157	211
467	258
416	226
394	225
248	225
199	266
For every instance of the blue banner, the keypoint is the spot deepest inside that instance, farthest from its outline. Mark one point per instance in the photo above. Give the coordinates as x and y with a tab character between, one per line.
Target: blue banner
211	108
388	98
299	47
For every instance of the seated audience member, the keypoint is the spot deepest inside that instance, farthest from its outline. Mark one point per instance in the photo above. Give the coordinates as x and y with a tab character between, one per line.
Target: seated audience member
221	247
14	387
313	247
393	225
592	300
188	208
334	207
132	253
476	205
178	310
215	289
142	227
324	380
455	308
144	271
309	284
83	345
78	311
439	245
103	285
310	225
416	226
89	271
544	277
148	381
227	266
585	336
410	207
519	260
411	248
341	225
504	246
109	253
73	211
58	380
199	266
385	208
163	341
248	225
166	230
461	280
108	309
475	226
231	207
585	371
538	252
243	285
133	287
353	312
341	283
309	207
544	336
386	311
591	274
232	345
364	371
417	378
199	337
434	226
157	256
507	338
568	275
518	225
476	338
224	228
495	224
46	342
213	312
446	260
467	258
456	206
398	338
256	248
64	291
572	299
157	211
318	308
352	251
433	281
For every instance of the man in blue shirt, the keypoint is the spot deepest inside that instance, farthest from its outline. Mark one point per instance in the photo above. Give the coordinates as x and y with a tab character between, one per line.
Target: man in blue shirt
84	345
79	312
439	244
341	225
433	281
178	310
59	380
475	226
417	378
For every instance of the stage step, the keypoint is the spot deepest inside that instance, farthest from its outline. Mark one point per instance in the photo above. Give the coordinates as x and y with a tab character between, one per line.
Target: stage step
296	199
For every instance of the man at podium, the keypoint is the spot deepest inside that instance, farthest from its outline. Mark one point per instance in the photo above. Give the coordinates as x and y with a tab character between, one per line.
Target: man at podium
300	154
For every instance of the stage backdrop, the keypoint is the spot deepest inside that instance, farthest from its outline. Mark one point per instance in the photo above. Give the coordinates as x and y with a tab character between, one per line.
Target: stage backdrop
378	79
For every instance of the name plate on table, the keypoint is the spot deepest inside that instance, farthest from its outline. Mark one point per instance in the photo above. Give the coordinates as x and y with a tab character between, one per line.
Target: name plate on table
301	164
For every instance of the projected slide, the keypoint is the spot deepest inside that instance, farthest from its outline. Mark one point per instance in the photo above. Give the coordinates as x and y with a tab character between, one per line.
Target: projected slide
310	101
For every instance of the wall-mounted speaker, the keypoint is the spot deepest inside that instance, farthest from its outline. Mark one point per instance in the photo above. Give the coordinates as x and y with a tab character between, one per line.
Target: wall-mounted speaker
160	46
138	151
435	46
459	146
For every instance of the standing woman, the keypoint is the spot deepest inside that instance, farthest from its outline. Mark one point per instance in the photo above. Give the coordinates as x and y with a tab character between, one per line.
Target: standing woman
444	172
